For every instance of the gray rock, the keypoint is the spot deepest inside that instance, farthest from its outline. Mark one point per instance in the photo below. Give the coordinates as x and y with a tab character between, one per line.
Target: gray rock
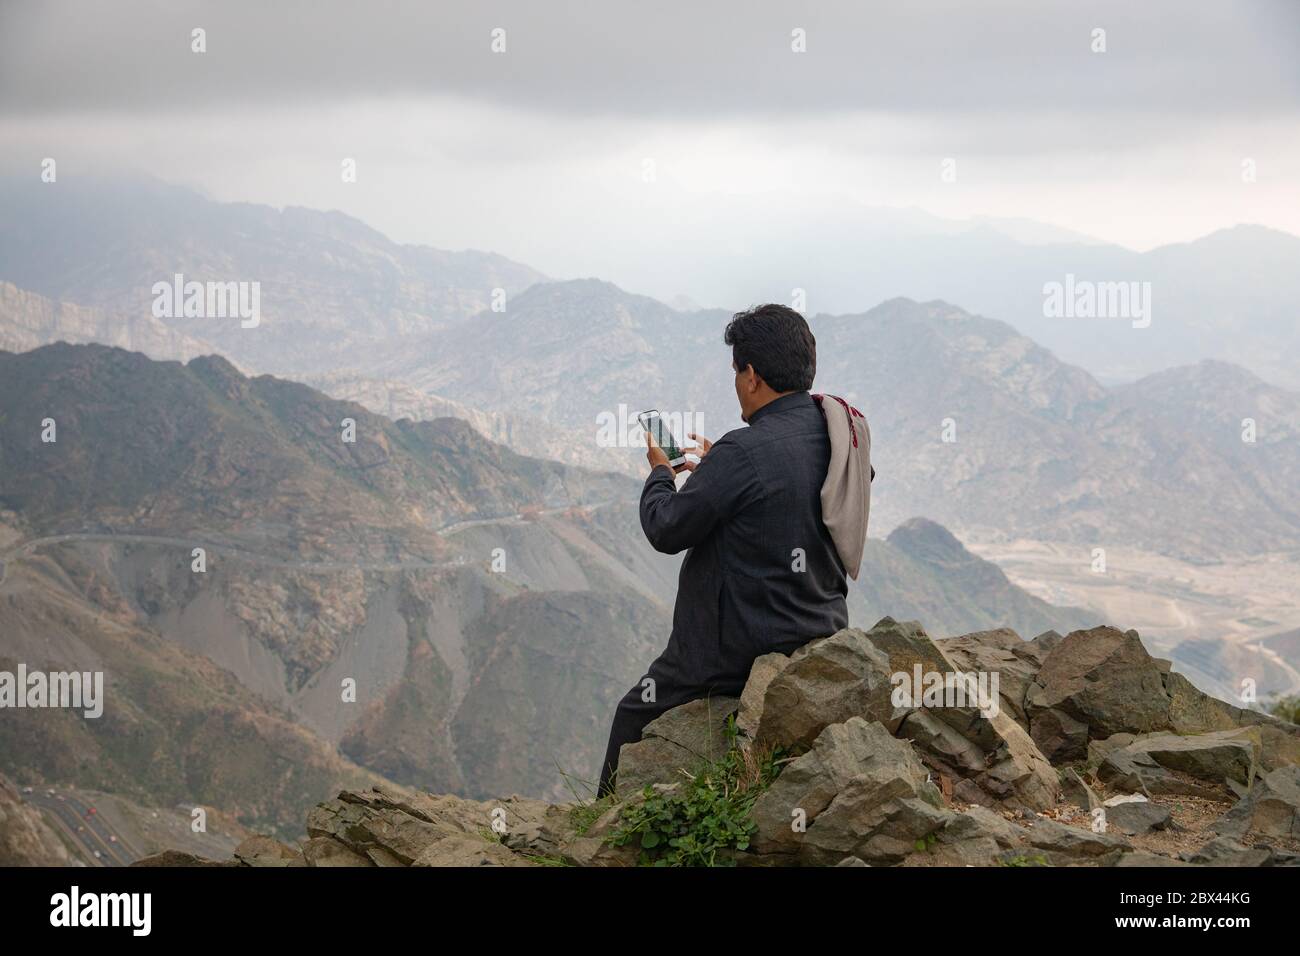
1075	790
1272	808
1042	645
1216	756
1016	661
856	767
388	827
975	837
1136	818
261	850
879	824
844	676
465	849
1059	736
1224	851
1163	763
750	712
1105	679
1066	843
991	759
678	740
1193	712
326	851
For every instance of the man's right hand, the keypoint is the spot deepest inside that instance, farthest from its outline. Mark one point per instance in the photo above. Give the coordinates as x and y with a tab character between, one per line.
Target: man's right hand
699	450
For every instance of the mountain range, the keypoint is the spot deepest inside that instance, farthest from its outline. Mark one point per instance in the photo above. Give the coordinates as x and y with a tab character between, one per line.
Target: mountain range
483	608
1230	295
473	560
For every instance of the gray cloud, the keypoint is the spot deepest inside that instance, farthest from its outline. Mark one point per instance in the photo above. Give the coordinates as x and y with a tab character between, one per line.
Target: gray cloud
667	58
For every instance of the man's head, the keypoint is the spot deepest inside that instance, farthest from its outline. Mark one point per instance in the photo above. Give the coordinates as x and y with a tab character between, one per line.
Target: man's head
773	352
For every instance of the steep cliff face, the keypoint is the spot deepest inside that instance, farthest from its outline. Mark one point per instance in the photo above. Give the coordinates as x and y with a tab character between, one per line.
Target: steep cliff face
29	320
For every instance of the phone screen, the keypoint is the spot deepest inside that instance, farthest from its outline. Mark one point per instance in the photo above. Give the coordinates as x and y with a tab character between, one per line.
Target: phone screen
653	422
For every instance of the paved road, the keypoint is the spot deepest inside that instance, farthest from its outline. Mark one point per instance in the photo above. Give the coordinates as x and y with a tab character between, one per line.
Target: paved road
89	833
27	547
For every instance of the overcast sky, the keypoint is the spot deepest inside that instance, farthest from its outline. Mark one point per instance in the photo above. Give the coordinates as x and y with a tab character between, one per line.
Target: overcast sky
541	152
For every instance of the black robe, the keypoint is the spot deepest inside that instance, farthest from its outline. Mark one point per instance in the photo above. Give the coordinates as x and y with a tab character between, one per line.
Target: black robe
761	573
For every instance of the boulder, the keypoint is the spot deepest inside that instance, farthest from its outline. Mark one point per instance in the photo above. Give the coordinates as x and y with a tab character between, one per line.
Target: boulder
464	849
1065	844
1019	776
1059	737
1075	790
1194	712
1224	851
326	851
1271	809
982	759
844	676
975	837
1135	817
260	850
1103	678
1216	756
388	827
1041	645
1003	651
881	824
1198	765
857	792
750	712
676	741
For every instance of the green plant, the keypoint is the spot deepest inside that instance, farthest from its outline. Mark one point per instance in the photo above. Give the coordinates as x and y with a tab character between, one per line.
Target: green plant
583	815
705	820
1287	708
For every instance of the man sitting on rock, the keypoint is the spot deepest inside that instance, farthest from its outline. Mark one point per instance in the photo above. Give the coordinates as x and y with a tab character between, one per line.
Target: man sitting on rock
772	518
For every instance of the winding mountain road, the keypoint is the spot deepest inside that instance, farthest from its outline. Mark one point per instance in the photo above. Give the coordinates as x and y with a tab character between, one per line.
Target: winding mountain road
21	548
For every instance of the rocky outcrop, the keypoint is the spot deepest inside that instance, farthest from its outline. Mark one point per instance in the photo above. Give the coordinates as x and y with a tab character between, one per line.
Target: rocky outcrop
854	751
1168	763
1270	809
865	790
1102	678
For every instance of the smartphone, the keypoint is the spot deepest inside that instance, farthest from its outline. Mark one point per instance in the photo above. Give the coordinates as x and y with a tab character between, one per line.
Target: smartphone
653	422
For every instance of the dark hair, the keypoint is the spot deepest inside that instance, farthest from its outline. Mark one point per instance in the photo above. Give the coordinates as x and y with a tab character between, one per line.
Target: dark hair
776	340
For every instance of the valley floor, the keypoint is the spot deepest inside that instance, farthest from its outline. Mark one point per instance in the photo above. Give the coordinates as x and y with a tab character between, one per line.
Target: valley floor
1238	603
